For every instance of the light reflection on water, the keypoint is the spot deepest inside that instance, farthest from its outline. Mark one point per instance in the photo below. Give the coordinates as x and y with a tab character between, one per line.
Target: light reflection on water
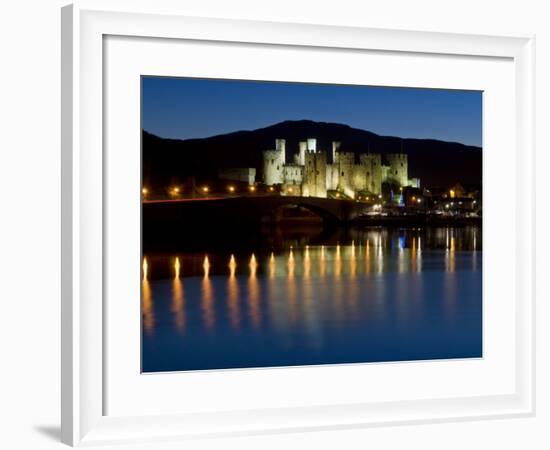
389	295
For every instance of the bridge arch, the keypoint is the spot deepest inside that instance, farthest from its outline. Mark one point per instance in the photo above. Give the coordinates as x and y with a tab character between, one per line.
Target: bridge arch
325	214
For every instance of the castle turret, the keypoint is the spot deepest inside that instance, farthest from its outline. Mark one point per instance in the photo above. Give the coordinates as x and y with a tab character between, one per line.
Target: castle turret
312	145
335	150
345	169
302	146
398	168
273	163
280	145
315	175
372	167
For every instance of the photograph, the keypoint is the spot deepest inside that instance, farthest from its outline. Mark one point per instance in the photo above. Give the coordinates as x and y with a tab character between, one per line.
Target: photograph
293	225
304	224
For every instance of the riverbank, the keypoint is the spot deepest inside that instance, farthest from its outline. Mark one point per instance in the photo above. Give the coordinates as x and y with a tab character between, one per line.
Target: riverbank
416	220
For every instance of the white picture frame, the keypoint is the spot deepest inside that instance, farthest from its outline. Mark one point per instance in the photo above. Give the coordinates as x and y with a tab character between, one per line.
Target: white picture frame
84	347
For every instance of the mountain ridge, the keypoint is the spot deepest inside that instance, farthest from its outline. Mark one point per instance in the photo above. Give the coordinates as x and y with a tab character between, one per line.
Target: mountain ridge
301	122
435	162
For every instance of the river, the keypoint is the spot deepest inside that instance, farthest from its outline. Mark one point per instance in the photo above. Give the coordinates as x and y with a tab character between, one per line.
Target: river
314	296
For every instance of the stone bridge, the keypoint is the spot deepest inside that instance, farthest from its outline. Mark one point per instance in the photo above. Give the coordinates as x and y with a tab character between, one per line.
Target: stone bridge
329	210
257	208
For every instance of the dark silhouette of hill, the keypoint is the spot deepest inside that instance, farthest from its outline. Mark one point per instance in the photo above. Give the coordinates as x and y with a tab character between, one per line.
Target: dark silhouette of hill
436	163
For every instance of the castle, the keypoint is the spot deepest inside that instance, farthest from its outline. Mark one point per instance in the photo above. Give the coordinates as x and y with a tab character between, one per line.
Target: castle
311	174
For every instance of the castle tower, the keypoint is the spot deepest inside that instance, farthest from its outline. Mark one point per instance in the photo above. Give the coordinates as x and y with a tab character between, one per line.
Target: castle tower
345	165
371	164
315	175
312	145
280	145
273	163
335	150
302	145
398	168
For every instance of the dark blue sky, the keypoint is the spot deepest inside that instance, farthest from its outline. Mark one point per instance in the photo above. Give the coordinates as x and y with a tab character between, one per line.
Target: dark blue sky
193	108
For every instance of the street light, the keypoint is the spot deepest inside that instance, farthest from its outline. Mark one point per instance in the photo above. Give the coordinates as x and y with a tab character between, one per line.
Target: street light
231	188
144	191
205	189
252	188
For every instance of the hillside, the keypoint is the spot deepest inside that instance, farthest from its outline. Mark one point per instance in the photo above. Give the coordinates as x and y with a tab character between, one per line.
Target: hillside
437	163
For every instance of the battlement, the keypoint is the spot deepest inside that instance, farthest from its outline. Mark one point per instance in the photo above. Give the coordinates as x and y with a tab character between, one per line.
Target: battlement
311	157
345	157
272	153
397	157
374	159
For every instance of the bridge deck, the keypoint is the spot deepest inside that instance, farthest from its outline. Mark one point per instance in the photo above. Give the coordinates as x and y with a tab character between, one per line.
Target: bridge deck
252	206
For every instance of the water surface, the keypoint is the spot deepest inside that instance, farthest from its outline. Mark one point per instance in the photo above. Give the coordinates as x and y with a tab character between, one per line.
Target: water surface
314	297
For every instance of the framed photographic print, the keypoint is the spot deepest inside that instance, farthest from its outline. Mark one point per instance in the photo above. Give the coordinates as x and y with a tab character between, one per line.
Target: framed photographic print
272	226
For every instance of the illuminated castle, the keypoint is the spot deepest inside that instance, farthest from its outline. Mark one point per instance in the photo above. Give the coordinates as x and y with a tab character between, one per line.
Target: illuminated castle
310	174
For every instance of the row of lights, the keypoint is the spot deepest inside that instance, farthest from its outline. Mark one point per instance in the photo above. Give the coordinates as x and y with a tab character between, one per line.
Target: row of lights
460	203
233	189
176	190
367	198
